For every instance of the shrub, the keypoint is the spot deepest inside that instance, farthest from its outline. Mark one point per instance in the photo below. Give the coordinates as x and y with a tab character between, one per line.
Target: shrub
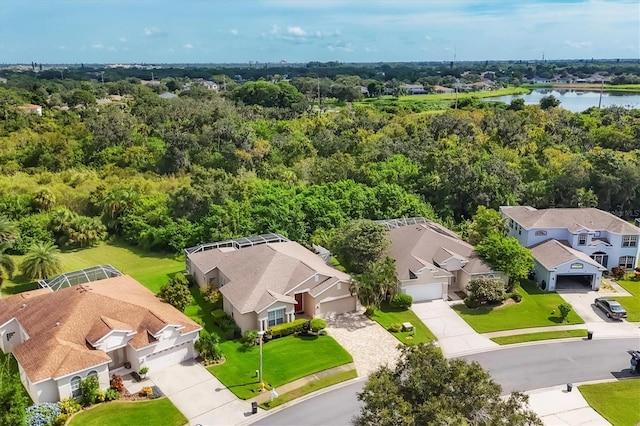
486	290
146	392
210	294
564	308
42	414
90	391
111	395
250	338
69	406
116	383
395	327
322	333
217	315
517	297
230	328
317	324
402	301
288	328
618	272
176	294
470	303
61	420
207	347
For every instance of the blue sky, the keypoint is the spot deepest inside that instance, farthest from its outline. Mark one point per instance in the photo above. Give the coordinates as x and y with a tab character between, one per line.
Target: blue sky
126	31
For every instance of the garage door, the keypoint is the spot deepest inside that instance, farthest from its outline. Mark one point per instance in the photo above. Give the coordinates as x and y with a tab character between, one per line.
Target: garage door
170	356
424	292
339	306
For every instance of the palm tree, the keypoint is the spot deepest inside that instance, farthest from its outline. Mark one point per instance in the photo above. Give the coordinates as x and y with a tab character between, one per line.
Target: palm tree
44	200
8	230
6	263
41	261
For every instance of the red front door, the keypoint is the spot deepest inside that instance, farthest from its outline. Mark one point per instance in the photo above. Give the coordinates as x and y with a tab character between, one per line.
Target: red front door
299	307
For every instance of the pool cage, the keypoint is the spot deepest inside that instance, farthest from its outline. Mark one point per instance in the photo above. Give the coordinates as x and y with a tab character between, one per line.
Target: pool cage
70	279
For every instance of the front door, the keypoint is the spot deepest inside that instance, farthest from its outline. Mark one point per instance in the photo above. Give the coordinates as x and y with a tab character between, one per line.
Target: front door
299	307
118	358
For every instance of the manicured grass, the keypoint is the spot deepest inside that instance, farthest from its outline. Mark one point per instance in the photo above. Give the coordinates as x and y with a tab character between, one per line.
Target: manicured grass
534	337
151	269
159	412
284	360
388	315
618	402
631	304
535	310
310	387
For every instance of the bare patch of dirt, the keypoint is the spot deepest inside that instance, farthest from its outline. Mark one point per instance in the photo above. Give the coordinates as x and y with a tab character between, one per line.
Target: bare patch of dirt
505	302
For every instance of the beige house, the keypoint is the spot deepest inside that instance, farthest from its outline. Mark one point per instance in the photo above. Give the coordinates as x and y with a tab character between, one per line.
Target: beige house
431	260
100	328
269	283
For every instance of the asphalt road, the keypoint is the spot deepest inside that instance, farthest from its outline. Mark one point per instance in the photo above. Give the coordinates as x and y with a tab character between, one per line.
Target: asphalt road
522	368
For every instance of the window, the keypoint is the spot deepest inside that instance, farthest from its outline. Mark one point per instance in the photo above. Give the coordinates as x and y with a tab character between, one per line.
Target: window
582	239
539	233
627	261
629	241
577	265
92	373
601	258
275	317
596	234
511	223
75	387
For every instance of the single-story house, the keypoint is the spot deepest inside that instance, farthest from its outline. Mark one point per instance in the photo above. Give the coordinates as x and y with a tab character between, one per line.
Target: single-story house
111	326
442	89
268	283
415	89
168	95
432	260
556	261
31	109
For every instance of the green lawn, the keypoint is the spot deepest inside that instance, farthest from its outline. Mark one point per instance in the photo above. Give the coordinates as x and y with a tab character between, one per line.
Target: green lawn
618	402
631	304
284	360
534	337
159	412
387	315
535	310
150	269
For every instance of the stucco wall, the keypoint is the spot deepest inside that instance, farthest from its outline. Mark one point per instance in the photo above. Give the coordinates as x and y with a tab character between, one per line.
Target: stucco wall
17	338
172	337
64	383
262	317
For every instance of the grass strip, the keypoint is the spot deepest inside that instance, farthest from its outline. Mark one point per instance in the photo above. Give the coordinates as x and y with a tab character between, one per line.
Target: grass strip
124	413
618	402
544	335
387	315
309	388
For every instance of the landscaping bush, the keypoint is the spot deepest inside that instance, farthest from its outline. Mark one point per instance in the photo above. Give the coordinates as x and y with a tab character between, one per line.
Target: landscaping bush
210	294
146	392
250	338
565	309
395	327
176	293
42	414
116	383
486	290
230	328
90	391
402	301
207	347
61	420
517	297
69	406
288	328
317	324
111	395
470	303
618	272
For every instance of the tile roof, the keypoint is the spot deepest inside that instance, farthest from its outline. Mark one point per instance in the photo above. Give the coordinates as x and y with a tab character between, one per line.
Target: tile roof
419	246
573	219
259	273
60	323
553	253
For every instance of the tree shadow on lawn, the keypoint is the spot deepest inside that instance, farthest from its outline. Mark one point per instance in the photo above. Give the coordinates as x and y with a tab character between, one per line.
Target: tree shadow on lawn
20	284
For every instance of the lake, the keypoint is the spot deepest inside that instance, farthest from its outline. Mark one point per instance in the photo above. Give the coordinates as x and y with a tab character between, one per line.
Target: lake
577	100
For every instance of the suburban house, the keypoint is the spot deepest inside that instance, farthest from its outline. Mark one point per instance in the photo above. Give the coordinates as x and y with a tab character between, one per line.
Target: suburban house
573	244
99	328
415	89
431	260
168	95
442	89
31	109
267	280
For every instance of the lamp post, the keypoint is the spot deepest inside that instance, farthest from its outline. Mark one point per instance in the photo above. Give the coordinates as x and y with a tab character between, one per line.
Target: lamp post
260	334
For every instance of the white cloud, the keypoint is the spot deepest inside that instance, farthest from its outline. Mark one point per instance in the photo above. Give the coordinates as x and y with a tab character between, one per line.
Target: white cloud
97	46
112	49
188	46
123	40
577	44
342	46
296	31
274	30
234	32
151	31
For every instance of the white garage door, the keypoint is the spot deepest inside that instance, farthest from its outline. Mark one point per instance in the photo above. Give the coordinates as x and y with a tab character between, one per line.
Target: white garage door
424	292
338	306
168	357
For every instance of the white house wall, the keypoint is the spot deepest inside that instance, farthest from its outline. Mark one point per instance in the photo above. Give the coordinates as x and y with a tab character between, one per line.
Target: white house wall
246	321
64	383
262	317
17	337
168	340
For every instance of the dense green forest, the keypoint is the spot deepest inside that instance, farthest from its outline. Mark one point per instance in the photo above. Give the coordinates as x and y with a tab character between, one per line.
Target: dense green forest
170	173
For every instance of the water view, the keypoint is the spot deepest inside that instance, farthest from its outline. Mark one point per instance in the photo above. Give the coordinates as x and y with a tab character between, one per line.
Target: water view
577	100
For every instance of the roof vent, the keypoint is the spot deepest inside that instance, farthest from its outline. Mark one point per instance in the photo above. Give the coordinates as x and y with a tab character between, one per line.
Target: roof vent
57	323
24	305
317	278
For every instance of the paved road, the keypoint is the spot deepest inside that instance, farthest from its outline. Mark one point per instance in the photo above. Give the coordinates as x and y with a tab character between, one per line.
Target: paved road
521	368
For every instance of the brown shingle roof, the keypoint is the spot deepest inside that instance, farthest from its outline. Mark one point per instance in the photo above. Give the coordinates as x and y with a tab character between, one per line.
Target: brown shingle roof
554	253
60	323
255	271
418	246
573	219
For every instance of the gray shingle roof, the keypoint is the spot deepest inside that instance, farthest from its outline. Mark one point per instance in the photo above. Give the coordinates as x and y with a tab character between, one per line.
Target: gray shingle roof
553	253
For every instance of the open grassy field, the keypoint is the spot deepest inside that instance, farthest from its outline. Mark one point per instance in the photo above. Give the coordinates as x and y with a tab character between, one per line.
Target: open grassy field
388	315
618	402
631	304
159	412
150	269
535	310
534	337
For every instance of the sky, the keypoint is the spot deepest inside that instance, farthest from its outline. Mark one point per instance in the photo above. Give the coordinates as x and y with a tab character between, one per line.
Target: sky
242	31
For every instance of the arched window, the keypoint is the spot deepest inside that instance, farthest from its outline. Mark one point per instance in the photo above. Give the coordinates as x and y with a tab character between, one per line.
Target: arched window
75	387
92	373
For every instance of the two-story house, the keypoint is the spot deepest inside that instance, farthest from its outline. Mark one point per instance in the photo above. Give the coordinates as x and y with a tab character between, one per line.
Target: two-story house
573	243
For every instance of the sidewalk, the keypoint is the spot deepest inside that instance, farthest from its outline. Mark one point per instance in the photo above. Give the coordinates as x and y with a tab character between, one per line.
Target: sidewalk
600	330
266	396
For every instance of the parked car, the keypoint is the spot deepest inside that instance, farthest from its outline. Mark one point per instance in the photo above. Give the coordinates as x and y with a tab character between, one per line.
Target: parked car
610	307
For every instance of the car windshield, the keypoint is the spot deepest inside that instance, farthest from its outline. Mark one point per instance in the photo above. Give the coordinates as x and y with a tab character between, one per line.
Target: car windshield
616	307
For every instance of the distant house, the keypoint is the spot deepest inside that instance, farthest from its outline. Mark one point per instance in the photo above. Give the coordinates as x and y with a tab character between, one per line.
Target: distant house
31	109
364	91
482	85
168	95
3	80
415	89
442	89
268	280
100	328
207	83
431	260
573	243
150	82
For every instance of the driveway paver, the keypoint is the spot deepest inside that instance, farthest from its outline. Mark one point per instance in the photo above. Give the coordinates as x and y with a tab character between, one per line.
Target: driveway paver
455	336
369	344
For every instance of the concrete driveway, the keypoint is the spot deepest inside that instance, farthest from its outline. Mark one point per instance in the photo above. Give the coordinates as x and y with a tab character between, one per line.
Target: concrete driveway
200	396
455	336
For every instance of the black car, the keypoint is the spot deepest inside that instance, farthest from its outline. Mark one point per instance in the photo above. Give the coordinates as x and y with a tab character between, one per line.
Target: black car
612	308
